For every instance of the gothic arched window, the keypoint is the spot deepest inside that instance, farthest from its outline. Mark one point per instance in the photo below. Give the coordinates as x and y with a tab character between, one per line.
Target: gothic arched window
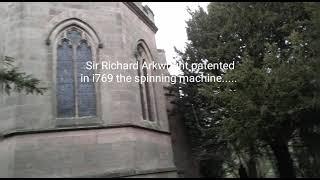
74	98
146	88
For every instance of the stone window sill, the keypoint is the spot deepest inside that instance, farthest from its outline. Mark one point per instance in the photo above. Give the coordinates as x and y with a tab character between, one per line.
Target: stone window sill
78	121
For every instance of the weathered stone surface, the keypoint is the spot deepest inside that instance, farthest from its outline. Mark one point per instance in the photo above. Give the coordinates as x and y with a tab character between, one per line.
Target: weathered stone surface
85	153
28	34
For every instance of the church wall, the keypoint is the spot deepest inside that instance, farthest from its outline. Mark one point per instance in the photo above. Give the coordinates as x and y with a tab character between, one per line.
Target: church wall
86	153
119	29
114	143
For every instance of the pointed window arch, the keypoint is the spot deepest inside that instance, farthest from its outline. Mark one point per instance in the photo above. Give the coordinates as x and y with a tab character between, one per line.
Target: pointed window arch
74	97
146	89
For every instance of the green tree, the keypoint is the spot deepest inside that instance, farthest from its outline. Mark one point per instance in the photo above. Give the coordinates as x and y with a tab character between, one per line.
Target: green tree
12	79
277	76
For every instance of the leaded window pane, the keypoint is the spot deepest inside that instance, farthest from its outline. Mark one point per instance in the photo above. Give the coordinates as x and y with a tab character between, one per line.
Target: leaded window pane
85	90
75	98
74	36
65	81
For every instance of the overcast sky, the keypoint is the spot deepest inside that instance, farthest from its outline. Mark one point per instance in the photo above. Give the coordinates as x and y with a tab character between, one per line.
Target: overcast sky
170	19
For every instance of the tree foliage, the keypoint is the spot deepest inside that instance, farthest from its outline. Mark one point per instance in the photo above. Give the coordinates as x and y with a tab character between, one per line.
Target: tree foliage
276	94
12	79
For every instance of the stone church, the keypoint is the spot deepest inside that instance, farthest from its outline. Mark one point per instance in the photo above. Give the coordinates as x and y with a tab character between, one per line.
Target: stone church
86	129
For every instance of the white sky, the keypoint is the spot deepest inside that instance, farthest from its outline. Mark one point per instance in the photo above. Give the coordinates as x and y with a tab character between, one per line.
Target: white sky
170	19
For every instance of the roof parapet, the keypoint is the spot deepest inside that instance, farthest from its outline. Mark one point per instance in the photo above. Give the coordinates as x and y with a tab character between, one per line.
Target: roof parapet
144	13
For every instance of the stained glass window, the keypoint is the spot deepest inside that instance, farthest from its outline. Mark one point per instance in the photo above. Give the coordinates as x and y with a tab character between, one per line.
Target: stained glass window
86	90
74	98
